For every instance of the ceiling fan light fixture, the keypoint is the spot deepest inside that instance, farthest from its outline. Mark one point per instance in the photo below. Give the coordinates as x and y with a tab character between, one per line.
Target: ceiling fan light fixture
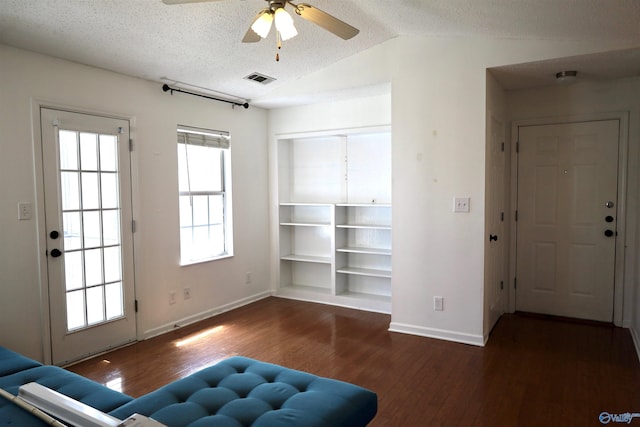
284	24
262	25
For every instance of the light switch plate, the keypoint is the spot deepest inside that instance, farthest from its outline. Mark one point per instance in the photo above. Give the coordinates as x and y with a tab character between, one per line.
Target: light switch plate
461	204
438	303
24	211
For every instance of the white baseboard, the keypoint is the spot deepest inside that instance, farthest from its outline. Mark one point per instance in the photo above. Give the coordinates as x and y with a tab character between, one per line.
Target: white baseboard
441	334
636	340
204	315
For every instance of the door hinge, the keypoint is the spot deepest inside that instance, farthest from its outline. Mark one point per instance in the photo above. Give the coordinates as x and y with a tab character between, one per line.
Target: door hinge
516	216
130	144
517	146
515	283
501	216
501	285
133	225
502	147
135	305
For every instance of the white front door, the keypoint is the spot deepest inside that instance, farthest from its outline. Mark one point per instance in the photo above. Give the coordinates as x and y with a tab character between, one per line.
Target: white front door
87	185
567	213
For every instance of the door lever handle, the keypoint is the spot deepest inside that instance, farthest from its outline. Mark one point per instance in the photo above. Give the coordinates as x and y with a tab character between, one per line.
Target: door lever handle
56	253
493	237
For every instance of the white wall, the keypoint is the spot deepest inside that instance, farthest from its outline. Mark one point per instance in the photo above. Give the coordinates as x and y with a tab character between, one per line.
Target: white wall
438	109
27	78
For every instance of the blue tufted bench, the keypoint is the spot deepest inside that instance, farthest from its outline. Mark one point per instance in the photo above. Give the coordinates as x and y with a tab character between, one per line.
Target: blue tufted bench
237	392
240	392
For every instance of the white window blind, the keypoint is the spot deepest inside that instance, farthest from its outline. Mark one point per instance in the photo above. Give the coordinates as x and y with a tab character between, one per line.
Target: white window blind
203	137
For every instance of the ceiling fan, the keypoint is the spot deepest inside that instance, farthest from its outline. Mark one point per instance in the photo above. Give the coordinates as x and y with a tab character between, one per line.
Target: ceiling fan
285	29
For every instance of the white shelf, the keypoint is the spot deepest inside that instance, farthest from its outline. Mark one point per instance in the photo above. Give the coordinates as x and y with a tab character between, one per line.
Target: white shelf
306	224
363	250
369	297
365	226
307	258
364	205
305	288
370	272
305	204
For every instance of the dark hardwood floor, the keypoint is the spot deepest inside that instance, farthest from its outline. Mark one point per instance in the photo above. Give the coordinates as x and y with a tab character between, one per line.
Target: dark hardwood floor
533	372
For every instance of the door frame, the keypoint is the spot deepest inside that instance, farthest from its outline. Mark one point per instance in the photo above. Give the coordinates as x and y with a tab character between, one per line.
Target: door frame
41	230
620	287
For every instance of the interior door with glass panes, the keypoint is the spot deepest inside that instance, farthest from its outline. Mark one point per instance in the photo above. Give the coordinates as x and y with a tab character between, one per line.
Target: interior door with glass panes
87	185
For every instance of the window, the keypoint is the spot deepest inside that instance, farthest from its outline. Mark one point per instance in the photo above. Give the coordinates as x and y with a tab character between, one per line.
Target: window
204	175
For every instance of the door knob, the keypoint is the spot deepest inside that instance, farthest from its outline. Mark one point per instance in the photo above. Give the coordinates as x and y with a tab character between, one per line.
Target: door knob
54	234
608	218
493	237
55	253
608	233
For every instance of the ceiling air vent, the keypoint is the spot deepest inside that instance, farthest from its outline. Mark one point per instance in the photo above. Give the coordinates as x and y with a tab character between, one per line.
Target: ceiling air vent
260	78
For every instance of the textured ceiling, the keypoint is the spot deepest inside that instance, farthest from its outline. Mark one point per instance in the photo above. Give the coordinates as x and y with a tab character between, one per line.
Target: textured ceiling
199	43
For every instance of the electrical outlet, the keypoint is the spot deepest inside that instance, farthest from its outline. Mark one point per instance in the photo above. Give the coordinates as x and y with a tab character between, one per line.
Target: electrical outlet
438	304
461	204
247	278
186	292
172	297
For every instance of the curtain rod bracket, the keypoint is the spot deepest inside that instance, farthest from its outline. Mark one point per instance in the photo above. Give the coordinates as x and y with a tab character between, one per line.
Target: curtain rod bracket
166	88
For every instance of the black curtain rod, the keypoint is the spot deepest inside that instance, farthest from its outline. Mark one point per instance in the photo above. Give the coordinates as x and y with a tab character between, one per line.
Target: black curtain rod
166	88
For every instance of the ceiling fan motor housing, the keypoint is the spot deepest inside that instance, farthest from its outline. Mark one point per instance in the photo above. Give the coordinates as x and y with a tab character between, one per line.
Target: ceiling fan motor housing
276	4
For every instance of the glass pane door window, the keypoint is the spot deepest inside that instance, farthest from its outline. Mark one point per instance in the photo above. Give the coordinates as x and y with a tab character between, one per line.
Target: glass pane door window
91	226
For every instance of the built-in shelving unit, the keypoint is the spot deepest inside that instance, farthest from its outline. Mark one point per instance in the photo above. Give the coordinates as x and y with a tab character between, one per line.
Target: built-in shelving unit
334	222
306	256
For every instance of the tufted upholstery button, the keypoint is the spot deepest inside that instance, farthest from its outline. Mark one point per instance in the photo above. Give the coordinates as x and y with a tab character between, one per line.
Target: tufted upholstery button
275	394
212	399
246	411
242	384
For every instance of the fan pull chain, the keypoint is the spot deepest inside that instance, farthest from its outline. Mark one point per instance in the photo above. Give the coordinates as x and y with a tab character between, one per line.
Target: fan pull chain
278	44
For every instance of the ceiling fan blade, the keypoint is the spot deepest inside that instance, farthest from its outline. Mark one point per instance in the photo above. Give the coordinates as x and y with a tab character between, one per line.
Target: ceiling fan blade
251	36
326	21
185	1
